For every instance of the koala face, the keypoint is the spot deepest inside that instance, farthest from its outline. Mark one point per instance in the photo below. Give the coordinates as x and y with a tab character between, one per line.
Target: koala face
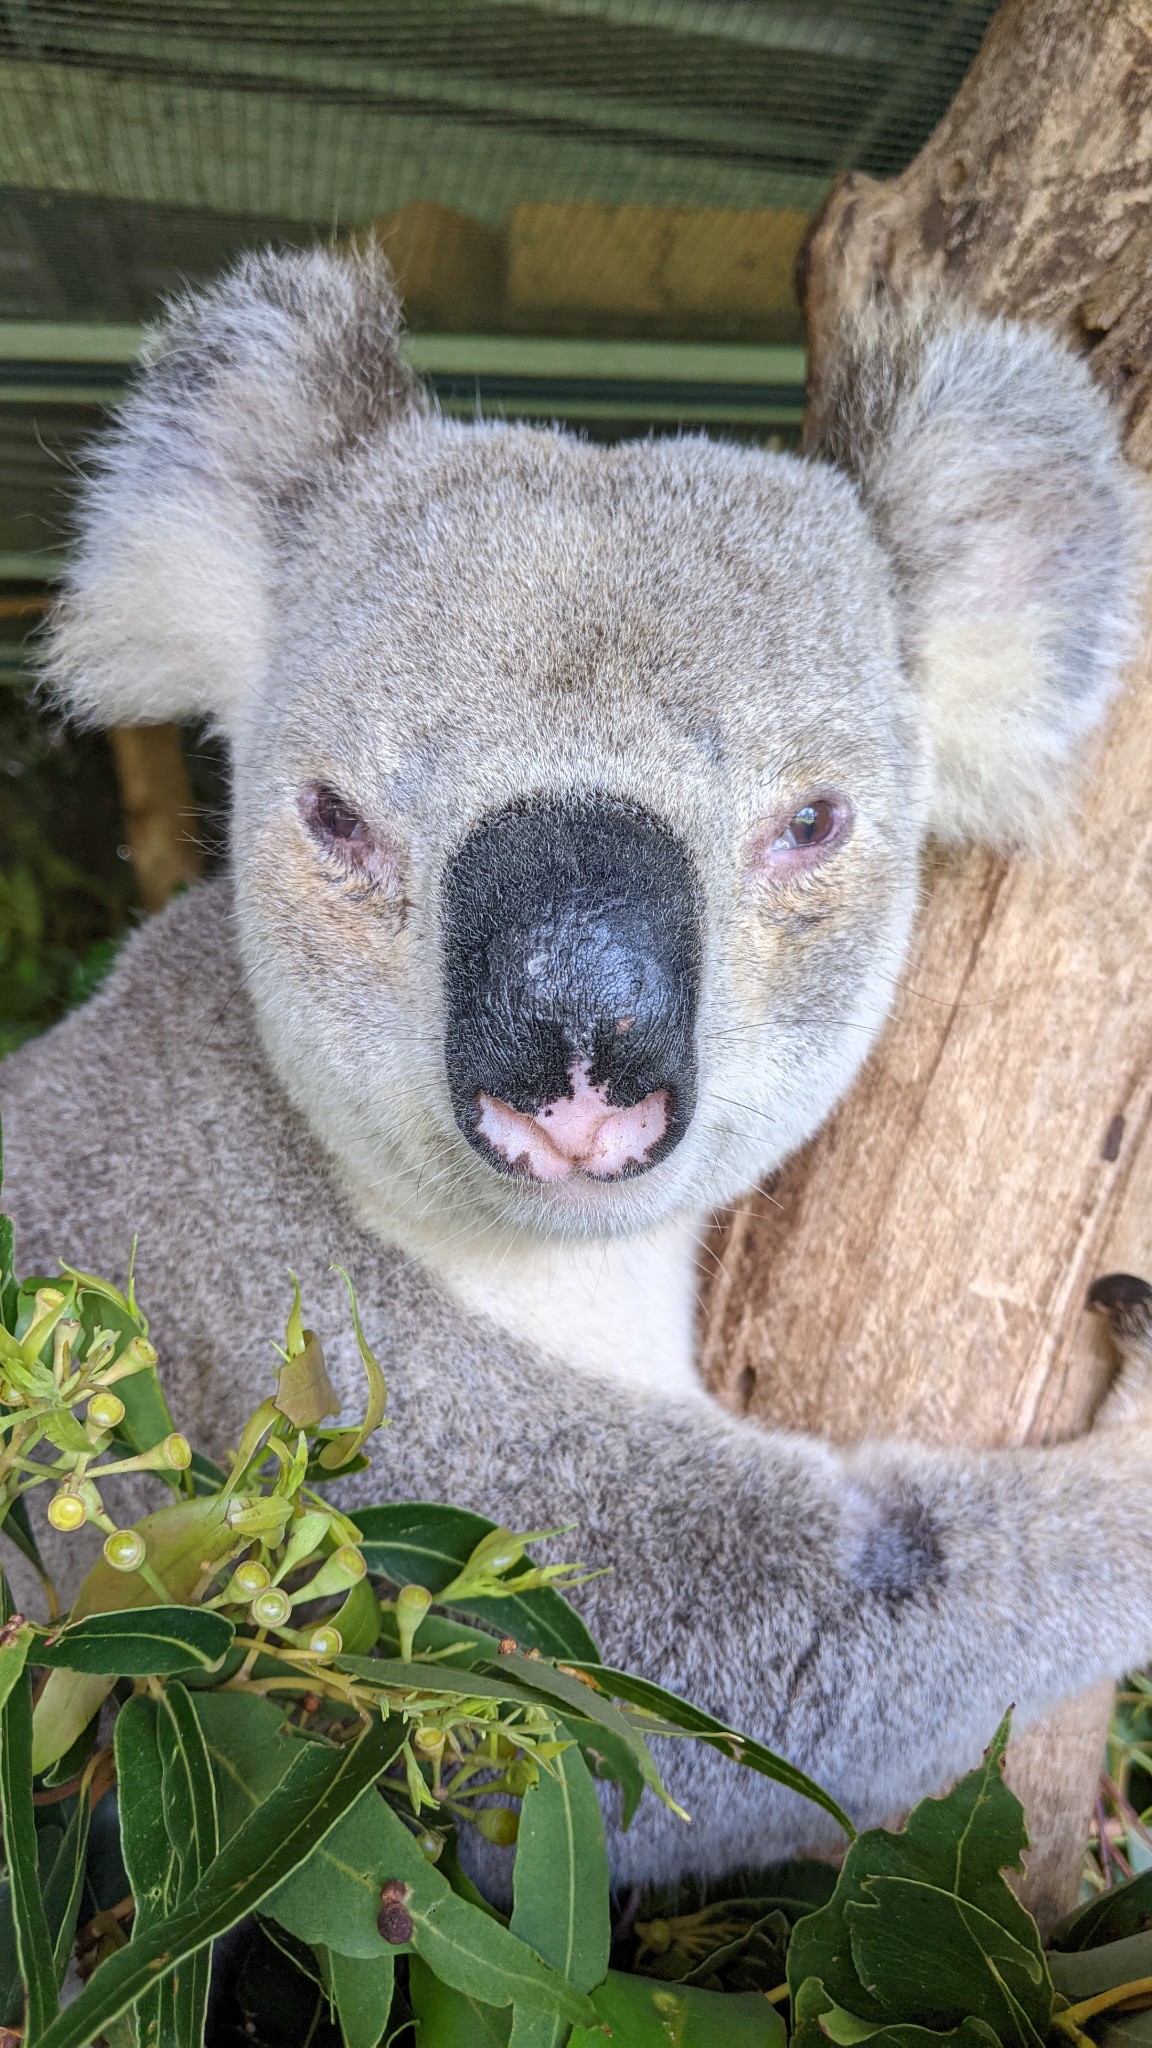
579	792
577	841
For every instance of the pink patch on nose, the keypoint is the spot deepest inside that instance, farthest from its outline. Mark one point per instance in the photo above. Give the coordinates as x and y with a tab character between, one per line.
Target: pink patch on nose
581	1131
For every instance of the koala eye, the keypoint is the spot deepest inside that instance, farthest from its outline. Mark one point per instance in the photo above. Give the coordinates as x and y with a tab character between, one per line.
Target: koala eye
802	838
811	825
361	850
333	818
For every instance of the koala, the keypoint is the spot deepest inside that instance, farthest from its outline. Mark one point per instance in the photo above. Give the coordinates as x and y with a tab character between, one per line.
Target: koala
579	800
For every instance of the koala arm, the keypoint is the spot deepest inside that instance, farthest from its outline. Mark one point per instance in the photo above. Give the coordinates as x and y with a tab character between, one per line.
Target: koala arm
870	1613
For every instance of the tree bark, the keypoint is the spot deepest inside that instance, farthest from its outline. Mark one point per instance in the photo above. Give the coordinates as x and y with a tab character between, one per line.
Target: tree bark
921	1268
159	809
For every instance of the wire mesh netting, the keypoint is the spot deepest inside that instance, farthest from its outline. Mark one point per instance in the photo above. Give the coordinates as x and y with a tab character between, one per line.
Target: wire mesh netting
574	167
593	207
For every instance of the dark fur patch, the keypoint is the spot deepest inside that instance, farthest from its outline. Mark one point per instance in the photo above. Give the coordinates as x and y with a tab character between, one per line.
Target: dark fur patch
902	1553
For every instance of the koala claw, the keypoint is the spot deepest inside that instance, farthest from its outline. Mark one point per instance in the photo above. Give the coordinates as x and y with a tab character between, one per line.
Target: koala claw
1127	1303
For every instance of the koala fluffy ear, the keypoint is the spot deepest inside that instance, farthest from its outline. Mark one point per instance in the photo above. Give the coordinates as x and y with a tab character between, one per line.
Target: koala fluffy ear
250	393
991	467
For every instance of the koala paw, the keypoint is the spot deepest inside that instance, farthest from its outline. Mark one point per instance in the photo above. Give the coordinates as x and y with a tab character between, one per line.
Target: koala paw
1127	1303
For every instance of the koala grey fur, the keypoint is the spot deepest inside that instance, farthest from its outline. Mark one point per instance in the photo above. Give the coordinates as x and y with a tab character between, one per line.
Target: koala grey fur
436	620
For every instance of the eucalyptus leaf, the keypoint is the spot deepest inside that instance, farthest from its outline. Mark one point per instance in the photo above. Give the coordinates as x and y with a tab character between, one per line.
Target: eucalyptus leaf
1122	1910
362	1990
611	1760
188	1798
64	1885
13	1657
142	1642
640	2013
550	1685
560	1877
466	1948
451	2019
418	1543
48	1843
641	1692
816	2017
318	1788
34	1946
1092	1970
922	1927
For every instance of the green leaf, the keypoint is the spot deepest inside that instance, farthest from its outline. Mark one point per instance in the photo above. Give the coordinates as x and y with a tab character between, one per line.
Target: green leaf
362	1991
8	1288
922	1927
343	1449
64	1885
138	1642
560	1876
418	1543
178	1539
610	1760
466	1948
304	1392
641	1692
1088	1971
817	2018
250	1746
148	1854
1122	1910
402	1675
638	2013
451	2019
49	1840
587	1702
168	1837
319	1787
13	1657
18	1529
33	1937
190	1821
437	1633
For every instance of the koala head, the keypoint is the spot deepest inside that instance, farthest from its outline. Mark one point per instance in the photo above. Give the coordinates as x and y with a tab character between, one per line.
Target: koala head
580	792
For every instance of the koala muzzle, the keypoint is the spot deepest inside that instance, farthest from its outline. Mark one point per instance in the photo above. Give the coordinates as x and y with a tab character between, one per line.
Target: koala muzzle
572	968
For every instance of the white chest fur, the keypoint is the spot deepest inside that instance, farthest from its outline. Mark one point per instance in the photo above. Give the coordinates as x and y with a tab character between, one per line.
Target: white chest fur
623	1308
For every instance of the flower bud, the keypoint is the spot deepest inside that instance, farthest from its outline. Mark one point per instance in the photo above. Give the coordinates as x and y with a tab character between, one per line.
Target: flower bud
271	1608
125	1550
326	1641
412	1604
67	1511
497	1824
248	1579
345	1567
105	1410
430	1844
520	1776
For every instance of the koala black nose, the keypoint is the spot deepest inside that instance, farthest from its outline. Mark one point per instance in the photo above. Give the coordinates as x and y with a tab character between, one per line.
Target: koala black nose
572	967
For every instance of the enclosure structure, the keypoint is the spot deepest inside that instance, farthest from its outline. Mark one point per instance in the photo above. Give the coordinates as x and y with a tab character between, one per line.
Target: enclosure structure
595	207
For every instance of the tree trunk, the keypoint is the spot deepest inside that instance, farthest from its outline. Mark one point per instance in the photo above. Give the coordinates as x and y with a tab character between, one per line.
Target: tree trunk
921	1268
159	809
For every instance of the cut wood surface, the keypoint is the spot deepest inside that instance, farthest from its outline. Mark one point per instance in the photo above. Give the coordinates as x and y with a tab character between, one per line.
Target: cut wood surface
921	1268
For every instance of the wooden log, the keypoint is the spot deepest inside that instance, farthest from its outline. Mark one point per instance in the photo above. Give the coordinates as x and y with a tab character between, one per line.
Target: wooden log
921	1268
159	809
675	270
